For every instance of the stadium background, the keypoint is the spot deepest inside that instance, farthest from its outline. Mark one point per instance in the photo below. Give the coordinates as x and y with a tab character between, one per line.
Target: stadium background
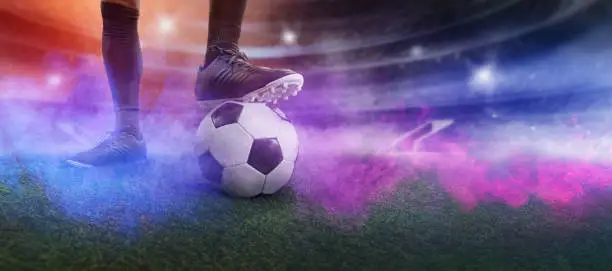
485	62
349	49
522	75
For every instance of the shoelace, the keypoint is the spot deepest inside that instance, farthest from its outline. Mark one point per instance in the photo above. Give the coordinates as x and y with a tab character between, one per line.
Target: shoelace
236	58
111	142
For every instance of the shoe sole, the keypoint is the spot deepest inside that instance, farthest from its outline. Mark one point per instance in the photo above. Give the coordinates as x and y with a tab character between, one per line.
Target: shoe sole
280	89
77	164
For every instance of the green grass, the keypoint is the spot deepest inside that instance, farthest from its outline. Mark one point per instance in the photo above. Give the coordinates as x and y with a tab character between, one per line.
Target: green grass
416	228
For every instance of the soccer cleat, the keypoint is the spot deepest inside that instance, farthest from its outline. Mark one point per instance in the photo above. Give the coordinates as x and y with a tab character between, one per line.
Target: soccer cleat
231	77
118	148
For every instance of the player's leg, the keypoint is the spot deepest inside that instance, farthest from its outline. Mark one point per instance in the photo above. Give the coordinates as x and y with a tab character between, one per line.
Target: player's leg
123	61
227	74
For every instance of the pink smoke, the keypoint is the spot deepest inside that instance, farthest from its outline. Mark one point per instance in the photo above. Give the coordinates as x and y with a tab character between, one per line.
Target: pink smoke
350	184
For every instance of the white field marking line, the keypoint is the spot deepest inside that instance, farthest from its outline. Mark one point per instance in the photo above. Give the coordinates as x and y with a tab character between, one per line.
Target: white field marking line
437	126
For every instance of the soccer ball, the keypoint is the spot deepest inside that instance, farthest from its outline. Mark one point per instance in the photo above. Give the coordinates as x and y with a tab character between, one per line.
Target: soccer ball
247	149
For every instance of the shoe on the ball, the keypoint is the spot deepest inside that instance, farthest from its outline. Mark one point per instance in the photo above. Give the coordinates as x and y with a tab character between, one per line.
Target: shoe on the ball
230	76
117	148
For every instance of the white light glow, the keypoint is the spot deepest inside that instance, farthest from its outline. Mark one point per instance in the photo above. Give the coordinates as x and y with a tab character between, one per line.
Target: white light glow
289	37
417	51
166	25
54	80
484	77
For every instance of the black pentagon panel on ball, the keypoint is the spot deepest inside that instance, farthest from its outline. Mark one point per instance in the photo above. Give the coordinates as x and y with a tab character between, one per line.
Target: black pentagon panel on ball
211	168
266	154
226	114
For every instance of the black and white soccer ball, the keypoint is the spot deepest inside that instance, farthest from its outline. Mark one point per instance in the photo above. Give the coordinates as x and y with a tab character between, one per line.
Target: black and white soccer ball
248	149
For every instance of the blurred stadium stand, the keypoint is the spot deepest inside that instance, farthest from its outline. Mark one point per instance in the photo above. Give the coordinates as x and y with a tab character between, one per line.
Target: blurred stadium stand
346	47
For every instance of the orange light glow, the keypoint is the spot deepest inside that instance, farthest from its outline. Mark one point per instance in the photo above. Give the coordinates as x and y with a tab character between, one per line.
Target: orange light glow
74	28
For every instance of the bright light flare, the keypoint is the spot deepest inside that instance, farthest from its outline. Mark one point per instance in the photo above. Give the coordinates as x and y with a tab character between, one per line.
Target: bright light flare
54	80
484	77
289	37
166	25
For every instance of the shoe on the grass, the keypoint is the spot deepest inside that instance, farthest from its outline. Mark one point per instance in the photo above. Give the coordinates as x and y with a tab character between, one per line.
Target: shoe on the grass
230	76
117	148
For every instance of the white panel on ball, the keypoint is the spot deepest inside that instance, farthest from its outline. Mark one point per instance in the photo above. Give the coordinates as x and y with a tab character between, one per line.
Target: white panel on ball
204	135
259	120
288	140
242	181
279	177
231	145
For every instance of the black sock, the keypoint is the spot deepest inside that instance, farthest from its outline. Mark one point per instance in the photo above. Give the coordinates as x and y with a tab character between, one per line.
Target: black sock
123	61
224	25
